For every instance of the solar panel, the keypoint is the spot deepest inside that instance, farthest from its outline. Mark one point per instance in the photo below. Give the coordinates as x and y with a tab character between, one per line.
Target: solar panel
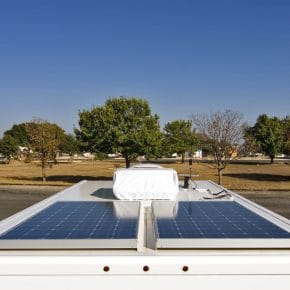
74	220
211	220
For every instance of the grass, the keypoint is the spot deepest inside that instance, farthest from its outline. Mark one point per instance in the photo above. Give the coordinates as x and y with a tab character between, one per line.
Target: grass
240	177
268	185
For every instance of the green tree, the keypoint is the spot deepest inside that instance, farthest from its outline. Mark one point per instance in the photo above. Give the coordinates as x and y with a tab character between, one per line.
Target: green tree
250	145
221	133
269	134
44	140
8	147
69	144
18	132
286	128
179	137
123	125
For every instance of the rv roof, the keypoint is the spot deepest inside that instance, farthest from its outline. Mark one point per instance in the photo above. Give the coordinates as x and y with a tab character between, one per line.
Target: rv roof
87	216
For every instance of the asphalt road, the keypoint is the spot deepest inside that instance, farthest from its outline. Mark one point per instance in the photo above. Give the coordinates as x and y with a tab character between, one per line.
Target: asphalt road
14	198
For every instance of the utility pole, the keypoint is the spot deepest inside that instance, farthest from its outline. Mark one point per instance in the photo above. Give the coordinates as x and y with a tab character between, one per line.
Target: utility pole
190	165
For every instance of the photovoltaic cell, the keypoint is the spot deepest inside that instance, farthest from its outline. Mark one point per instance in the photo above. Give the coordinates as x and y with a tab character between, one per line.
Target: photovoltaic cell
77	220
213	220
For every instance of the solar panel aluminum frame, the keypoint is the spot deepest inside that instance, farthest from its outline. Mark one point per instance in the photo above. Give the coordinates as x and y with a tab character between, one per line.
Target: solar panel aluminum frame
229	243
72	244
222	243
63	244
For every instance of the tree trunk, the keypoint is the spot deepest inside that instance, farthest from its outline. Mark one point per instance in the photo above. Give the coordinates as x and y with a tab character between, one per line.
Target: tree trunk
272	159
43	171
182	158
220	176
128	161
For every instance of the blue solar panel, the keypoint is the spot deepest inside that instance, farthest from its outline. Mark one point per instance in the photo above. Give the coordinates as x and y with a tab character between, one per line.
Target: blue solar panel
76	220
214	219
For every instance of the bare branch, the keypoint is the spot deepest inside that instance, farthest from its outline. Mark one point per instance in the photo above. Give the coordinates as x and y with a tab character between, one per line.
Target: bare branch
222	132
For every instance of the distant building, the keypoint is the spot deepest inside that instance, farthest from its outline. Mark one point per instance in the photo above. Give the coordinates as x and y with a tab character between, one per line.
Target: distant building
89	155
24	153
197	154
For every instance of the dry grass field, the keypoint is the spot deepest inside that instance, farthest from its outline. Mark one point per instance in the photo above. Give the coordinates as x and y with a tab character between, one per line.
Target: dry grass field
245	177
268	185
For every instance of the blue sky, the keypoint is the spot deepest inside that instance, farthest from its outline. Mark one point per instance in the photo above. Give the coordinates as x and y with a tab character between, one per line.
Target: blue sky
58	57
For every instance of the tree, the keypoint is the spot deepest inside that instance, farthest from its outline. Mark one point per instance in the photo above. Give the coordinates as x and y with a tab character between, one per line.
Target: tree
8	147
44	140
179	137
269	134
69	144
123	125
286	126
221	132
18	132
250	145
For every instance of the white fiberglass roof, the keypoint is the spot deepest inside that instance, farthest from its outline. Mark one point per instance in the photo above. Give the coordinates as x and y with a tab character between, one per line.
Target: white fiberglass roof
87	216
